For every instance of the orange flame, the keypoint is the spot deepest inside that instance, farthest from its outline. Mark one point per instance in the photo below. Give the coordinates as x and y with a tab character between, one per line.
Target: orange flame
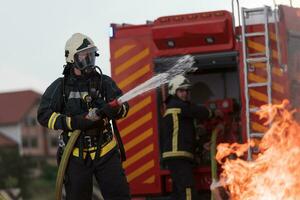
275	173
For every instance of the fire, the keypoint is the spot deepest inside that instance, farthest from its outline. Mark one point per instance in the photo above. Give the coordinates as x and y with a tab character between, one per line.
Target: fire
275	173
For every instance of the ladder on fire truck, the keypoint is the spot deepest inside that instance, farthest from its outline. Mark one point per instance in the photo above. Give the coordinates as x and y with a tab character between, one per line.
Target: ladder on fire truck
252	58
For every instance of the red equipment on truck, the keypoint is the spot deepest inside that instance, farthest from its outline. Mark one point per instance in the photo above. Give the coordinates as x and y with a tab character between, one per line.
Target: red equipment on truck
237	69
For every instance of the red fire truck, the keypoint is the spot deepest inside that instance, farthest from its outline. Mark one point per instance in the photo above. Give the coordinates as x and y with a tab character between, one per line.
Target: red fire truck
237	69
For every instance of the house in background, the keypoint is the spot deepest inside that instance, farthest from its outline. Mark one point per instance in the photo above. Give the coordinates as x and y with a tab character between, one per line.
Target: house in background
6	142
18	122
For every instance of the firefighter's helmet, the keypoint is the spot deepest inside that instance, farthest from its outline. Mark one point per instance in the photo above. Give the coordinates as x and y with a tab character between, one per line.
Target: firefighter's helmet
81	51
178	82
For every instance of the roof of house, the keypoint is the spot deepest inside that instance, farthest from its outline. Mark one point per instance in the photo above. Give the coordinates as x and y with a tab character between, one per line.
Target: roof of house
6	141
14	105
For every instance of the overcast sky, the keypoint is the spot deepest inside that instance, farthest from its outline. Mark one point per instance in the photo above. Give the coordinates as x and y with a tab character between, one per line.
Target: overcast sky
33	32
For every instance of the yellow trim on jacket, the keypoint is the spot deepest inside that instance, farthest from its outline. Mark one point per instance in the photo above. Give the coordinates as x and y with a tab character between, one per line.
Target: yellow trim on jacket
188	192
92	151
174	112
52	120
171	154
68	122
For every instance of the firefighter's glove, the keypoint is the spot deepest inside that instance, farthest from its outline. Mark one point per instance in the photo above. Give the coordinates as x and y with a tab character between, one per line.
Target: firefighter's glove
92	115
111	111
80	122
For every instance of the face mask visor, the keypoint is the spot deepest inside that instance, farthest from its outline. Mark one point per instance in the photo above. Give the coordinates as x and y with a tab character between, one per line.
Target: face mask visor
86	58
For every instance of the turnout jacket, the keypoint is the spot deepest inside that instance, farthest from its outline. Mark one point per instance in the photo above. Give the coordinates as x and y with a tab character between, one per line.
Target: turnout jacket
66	97
178	139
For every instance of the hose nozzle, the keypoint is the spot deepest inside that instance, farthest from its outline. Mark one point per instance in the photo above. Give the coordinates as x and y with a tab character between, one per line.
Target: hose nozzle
115	103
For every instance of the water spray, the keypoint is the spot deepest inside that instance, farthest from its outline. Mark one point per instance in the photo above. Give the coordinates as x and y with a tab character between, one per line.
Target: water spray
183	64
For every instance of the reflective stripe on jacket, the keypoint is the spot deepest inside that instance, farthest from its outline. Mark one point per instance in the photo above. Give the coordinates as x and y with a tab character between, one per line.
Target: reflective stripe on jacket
178	139
56	110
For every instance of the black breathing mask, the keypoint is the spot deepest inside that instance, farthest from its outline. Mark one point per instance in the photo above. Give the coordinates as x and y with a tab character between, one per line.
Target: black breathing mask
85	59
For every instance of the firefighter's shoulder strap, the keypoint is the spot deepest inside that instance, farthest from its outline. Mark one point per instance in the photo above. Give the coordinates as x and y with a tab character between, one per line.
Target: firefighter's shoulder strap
119	140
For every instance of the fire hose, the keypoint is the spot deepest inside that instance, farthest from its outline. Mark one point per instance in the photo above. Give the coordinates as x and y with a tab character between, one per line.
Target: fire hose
69	148
1	197
64	162
214	168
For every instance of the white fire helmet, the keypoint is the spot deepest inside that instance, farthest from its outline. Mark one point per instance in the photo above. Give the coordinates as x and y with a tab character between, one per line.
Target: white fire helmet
81	51
178	82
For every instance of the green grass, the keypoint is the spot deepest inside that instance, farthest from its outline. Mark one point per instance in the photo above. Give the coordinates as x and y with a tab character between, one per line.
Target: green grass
41	189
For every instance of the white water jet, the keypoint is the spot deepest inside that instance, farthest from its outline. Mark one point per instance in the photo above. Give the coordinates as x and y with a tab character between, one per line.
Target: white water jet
182	65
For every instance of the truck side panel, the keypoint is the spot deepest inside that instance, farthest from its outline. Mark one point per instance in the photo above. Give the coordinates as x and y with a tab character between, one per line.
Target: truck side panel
131	60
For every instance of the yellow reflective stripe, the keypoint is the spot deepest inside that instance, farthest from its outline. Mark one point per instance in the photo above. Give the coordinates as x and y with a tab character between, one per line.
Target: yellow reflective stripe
84	95
169	154
138	139
142	54
261	48
52	120
68	122
150	180
174	112
255	45
140	170
138	155
104	150
278	88
277	71
123	50
188	192
134	76
76	152
124	110
175	132
256	78
259	65
275	54
258	95
136	124
108	147
273	36
137	107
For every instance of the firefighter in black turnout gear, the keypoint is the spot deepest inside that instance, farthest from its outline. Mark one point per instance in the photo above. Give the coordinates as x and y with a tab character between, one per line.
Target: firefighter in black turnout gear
178	139
79	101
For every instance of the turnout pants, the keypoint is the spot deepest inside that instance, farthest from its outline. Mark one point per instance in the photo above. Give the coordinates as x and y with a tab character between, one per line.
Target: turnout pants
183	181
108	172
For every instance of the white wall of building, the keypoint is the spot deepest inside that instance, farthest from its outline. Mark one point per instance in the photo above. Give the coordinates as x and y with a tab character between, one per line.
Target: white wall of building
12	131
